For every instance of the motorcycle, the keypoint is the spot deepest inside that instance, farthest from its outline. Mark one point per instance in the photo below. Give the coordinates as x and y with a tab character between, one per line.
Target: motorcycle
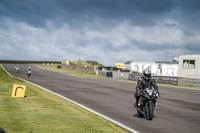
147	102
29	73
17	69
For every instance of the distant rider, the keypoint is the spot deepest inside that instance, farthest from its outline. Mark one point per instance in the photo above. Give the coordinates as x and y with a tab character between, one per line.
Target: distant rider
16	68
144	81
29	71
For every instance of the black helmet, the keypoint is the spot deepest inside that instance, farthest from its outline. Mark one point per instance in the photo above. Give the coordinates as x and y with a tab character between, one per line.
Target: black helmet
147	74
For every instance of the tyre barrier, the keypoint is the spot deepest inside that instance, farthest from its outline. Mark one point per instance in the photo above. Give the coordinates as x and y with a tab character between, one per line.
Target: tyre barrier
59	67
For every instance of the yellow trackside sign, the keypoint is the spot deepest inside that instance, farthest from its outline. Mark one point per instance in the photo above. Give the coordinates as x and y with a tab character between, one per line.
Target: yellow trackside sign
18	90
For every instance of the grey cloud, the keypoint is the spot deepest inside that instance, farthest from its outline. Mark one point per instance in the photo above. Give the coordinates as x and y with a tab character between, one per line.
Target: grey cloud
109	31
138	12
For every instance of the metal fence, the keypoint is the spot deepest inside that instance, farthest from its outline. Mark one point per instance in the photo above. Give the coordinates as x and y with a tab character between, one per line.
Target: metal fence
188	82
169	80
105	73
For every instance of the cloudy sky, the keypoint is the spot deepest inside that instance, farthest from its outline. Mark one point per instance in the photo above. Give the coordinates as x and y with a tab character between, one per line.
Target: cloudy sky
107	31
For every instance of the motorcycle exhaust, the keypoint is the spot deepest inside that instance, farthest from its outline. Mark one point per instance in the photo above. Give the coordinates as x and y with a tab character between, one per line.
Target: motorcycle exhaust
139	109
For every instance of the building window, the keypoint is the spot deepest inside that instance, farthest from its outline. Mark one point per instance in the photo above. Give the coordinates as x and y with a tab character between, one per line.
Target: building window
159	66
137	67
189	64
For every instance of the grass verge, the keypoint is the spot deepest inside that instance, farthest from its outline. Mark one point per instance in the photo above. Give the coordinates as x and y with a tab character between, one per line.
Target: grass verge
54	68
44	112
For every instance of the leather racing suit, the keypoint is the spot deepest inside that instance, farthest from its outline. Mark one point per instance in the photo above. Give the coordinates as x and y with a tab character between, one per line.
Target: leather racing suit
141	84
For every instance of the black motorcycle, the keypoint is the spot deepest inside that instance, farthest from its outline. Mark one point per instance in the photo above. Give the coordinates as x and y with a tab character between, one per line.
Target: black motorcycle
147	102
16	69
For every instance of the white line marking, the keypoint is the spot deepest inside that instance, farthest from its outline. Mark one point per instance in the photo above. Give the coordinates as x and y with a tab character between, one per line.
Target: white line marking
80	105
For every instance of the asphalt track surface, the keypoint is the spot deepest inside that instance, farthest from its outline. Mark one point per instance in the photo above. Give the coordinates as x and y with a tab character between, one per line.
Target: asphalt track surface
178	109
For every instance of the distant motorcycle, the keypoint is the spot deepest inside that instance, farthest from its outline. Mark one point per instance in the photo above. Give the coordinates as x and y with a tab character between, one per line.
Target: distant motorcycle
16	70
148	102
29	73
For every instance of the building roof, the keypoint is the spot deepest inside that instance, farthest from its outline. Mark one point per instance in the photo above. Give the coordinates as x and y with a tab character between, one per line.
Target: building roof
152	62
167	62
191	55
136	61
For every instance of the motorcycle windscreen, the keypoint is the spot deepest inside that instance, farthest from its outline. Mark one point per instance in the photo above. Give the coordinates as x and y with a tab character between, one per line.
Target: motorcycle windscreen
149	89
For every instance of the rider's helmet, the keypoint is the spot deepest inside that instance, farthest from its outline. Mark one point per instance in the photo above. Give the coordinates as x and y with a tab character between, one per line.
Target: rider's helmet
29	68
147	74
16	65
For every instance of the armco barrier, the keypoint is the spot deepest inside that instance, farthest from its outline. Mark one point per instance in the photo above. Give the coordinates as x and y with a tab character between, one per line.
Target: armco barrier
170	80
188	82
166	79
159	79
59	67
105	73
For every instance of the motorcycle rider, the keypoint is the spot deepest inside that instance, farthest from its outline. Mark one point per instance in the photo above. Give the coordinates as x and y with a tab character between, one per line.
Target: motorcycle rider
29	71
144	81
16	67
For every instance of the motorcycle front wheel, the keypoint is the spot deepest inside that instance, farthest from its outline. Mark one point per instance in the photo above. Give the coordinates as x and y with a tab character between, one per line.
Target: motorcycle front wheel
150	110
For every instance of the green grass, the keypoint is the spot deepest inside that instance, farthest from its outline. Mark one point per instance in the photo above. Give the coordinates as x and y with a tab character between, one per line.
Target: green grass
43	112
88	63
54	68
127	80
180	86
81	63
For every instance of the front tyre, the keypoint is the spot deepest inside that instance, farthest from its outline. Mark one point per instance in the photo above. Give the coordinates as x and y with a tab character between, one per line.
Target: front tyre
150	111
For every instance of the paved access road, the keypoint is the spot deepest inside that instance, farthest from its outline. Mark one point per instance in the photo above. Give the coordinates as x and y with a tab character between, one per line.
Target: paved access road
178	109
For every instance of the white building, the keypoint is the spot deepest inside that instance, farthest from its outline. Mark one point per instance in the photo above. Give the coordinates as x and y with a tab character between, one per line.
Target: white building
139	66
157	68
167	69
189	66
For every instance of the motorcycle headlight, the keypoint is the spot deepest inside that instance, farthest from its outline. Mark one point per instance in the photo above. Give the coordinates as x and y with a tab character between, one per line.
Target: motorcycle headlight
157	94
